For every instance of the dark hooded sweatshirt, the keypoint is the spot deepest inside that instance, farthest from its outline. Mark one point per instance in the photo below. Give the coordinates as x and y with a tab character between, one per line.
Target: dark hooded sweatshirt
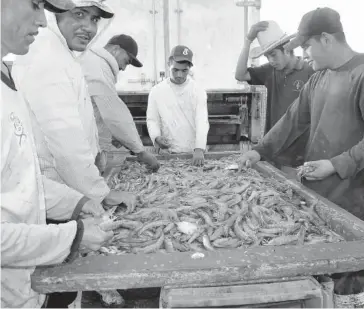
331	107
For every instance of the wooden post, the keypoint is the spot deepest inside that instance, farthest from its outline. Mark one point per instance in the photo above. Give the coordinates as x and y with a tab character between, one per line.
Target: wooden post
166	35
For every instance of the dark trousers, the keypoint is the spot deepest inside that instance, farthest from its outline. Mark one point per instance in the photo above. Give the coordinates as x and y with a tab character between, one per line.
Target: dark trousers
59	300
63	299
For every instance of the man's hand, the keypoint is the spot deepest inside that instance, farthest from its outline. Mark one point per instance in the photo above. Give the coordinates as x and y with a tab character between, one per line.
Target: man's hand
162	142
116	143
148	159
92	208
248	159
256	28
319	169
101	161
198	157
117	197
93	237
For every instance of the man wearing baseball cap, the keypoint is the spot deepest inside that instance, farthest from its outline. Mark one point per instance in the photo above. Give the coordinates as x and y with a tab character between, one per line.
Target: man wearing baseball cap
177	115
54	86
28	198
331	107
115	123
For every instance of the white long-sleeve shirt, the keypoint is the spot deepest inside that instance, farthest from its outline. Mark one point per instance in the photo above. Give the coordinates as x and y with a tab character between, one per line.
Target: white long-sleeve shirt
26	199
179	113
112	116
52	82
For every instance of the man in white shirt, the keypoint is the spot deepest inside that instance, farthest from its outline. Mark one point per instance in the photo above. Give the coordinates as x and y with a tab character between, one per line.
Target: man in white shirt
27	197
101	66
177	115
54	86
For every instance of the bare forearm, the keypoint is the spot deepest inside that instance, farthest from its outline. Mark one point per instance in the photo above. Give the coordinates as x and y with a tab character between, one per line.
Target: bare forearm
242	73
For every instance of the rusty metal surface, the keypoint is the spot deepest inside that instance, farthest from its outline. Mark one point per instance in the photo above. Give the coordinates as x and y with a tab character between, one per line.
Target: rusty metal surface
223	266
223	103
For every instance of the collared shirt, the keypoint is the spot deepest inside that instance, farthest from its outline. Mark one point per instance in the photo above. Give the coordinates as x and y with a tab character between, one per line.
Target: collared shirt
179	113
283	87
331	108
112	116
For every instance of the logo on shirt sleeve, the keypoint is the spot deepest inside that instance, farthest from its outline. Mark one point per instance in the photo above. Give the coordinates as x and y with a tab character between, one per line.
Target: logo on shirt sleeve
298	85
18	128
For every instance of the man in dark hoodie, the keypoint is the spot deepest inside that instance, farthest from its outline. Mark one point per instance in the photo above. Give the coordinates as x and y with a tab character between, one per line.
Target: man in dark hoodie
331	107
115	123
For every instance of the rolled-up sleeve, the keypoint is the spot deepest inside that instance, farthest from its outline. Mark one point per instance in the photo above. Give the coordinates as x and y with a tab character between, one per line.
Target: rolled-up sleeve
259	75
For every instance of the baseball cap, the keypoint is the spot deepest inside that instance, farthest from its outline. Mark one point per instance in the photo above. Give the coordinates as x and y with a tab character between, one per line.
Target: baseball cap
106	12
314	23
59	6
181	53
127	43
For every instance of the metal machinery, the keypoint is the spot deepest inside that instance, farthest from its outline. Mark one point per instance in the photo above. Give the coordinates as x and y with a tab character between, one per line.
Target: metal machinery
214	31
234	115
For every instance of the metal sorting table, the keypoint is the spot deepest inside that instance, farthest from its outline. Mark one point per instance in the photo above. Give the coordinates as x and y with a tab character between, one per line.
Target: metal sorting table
221	266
